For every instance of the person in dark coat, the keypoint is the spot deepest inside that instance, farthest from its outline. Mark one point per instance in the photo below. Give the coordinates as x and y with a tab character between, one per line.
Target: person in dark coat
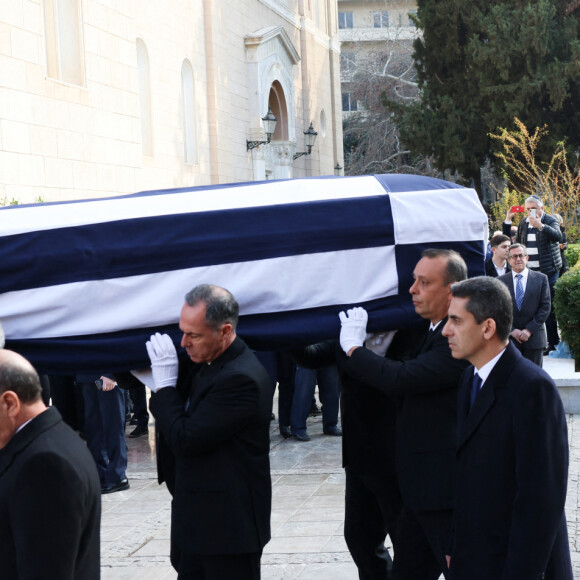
213	410
498	265
426	415
50	495
512	449
541	235
368	417
529	316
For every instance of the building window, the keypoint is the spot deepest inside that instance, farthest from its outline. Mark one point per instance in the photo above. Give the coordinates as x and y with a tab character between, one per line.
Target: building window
64	43
188	95
345	20
381	19
145	98
349	103
347	61
412	13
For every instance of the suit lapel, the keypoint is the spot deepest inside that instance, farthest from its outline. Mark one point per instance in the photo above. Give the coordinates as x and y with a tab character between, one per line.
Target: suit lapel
431	336
486	398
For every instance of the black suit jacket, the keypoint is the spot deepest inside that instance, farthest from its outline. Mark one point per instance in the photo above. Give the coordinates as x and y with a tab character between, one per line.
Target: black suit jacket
368	416
535	308
426	416
50	504
490	268
220	446
512	459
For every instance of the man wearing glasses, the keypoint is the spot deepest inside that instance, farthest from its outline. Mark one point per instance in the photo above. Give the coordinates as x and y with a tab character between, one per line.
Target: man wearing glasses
530	294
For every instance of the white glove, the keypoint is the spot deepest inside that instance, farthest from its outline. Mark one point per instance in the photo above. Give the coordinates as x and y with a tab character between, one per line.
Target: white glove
164	364
353	328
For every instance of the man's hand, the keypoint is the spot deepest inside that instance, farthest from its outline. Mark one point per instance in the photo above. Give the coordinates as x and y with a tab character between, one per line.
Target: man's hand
509	216
353	328
164	363
108	384
535	222
520	335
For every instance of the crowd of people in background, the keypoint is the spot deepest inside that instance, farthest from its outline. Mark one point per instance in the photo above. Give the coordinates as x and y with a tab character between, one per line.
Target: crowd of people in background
454	438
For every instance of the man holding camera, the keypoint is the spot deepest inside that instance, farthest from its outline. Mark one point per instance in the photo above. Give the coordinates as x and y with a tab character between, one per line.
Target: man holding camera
541	235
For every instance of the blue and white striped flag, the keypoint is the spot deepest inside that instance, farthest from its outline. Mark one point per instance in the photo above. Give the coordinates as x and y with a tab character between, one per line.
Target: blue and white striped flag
83	284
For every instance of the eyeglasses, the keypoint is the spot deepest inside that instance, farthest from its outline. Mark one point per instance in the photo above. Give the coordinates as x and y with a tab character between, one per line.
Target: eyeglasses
517	256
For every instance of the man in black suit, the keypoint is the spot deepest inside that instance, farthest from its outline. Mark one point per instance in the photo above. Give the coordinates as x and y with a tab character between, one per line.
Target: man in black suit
530	294
213	411
368	416
498	265
50	494
512	449
426	388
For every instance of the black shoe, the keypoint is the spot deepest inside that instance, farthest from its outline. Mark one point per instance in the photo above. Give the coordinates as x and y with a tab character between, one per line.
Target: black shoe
113	487
314	410
138	431
134	421
549	349
285	432
300	437
127	417
335	432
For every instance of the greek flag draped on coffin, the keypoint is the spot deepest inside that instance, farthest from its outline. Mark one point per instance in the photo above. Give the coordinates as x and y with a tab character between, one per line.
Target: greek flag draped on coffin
83	284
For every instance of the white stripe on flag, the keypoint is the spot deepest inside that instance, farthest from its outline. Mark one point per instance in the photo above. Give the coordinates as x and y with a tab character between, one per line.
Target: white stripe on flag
273	285
48	216
437	215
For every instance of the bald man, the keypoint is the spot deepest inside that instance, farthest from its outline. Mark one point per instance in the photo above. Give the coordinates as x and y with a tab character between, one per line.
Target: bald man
50	494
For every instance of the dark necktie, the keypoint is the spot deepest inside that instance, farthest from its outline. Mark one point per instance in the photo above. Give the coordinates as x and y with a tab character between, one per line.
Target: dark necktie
519	291
475	387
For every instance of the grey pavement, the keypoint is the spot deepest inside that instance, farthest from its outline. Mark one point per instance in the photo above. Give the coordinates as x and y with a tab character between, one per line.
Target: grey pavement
307	508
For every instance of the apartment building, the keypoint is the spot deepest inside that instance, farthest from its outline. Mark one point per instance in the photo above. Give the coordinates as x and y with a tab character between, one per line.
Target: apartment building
376	41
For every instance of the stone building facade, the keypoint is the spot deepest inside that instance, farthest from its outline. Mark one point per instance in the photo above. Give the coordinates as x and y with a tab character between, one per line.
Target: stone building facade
107	97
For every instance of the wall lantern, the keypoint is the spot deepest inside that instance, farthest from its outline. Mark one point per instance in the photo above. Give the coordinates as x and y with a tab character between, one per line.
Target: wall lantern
269	125
309	139
337	169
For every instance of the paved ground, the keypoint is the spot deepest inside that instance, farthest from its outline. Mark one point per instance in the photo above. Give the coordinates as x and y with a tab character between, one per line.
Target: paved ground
307	514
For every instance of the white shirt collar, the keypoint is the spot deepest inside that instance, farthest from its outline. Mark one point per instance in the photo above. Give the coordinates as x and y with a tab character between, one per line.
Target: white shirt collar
486	369
524	274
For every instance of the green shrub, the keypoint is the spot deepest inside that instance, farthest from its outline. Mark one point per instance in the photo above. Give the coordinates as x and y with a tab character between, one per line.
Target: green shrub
573	253
567	308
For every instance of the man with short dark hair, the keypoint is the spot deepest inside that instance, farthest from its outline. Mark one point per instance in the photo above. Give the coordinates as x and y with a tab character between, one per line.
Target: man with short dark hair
530	294
50	496
512	454
541	235
498	265
425	386
213	412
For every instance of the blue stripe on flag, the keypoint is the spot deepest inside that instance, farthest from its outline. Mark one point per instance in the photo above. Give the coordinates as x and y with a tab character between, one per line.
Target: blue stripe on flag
121	351
164	243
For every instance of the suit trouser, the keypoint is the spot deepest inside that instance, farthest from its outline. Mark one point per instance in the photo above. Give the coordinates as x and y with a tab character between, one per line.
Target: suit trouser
105	431
218	567
328	391
422	538
282	370
371	511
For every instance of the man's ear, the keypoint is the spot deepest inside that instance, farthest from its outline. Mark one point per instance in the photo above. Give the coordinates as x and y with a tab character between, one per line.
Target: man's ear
10	403
489	328
227	329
